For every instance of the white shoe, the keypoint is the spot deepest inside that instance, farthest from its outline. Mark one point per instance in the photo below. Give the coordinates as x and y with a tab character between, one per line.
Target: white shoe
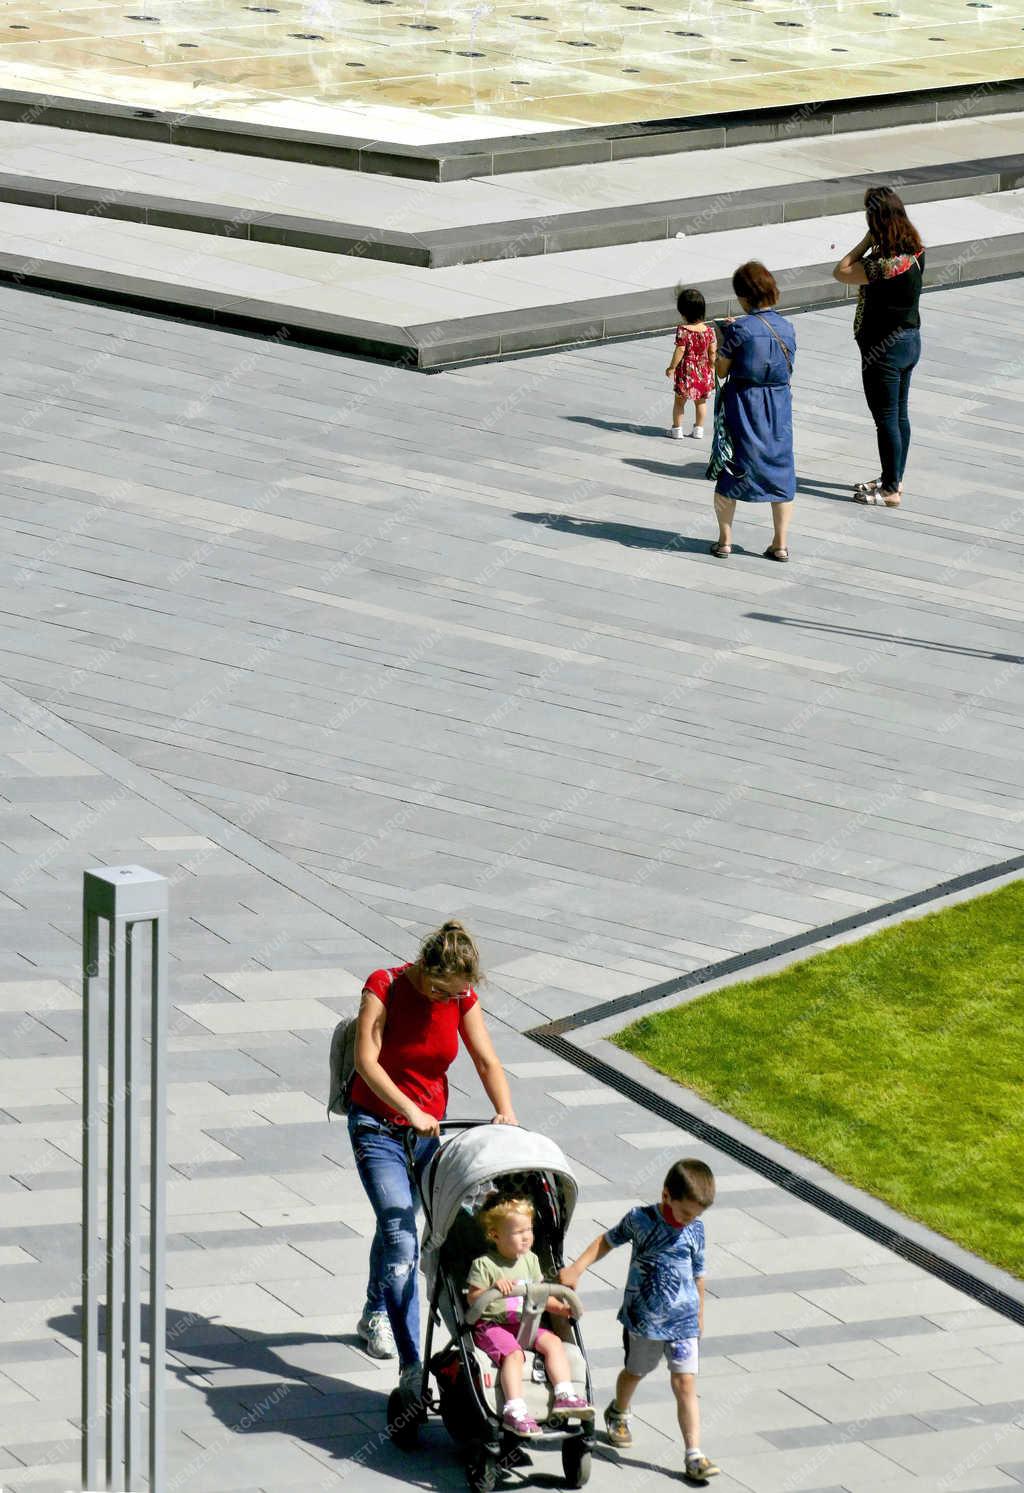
375	1331
675	432
697	433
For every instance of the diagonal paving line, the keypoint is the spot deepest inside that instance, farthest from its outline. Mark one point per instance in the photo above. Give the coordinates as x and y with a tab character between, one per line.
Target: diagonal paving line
271	863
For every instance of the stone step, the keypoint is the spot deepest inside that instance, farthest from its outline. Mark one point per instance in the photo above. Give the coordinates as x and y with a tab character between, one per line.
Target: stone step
459	159
432	319
545	212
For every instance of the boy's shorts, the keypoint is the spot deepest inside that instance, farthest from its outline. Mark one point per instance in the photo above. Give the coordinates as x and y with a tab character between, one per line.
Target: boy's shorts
644	1353
500	1342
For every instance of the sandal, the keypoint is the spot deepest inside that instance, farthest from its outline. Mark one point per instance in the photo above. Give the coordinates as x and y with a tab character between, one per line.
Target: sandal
771	553
720	551
874	494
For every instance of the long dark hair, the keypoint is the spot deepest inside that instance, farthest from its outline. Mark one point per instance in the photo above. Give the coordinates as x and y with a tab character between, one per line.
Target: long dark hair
890	228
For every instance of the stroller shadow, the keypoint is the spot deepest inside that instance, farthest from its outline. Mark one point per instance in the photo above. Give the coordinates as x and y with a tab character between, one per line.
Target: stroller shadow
336	1421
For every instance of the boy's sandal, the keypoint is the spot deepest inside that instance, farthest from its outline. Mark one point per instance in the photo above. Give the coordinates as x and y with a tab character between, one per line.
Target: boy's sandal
776	554
720	551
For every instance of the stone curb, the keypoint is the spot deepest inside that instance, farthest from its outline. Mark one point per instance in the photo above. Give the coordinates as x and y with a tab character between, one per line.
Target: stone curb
593	1053
458	160
517	238
430	347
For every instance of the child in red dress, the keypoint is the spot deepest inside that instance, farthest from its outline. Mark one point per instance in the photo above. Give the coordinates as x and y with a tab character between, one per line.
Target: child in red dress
692	368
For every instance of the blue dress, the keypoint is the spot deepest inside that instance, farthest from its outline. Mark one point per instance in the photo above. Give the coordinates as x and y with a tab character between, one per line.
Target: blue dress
759	410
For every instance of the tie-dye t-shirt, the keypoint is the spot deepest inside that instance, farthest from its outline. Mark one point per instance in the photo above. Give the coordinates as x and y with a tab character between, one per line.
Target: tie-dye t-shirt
661	1298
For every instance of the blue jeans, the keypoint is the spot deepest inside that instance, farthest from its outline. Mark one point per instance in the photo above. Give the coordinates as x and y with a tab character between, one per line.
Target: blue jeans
885	372
394	1254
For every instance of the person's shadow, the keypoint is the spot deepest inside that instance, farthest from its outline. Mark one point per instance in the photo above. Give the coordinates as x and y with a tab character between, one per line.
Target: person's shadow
836	492
628	427
259	1382
290	1383
671	469
632	536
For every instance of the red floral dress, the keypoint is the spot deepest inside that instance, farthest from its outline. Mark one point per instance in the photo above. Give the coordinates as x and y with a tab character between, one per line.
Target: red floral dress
695	371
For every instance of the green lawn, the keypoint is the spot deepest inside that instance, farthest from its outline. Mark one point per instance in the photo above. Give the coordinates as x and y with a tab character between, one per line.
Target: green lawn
896	1062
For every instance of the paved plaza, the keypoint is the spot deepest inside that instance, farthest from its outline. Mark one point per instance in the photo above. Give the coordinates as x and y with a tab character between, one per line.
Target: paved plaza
342	650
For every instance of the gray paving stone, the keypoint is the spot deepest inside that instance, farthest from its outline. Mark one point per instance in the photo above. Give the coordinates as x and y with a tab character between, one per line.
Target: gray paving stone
876	1429
454	795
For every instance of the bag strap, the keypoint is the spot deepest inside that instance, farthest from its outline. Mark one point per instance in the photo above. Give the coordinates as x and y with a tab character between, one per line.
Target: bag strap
785	349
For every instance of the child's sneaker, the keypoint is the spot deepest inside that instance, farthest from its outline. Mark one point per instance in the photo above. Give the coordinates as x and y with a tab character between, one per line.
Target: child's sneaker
567	1405
617	1427
697	433
519	1421
700	1467
675	432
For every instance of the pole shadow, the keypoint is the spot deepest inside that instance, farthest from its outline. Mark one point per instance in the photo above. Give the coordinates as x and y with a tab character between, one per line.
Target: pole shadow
870	635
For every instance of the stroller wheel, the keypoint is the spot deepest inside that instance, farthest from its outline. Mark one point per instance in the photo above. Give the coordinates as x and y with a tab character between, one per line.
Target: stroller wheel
482	1470
576	1462
403	1420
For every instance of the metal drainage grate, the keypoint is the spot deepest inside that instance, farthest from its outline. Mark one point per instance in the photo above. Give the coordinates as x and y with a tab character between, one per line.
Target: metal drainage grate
739	962
799	1187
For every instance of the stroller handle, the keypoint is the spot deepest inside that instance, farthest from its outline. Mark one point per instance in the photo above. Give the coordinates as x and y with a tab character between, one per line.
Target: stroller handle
410	1136
535	1297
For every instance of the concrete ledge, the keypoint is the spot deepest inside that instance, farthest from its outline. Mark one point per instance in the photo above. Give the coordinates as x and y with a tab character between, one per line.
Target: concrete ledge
458	160
804	1179
523	237
433	346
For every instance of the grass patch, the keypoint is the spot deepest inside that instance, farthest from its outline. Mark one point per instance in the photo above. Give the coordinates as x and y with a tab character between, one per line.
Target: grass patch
896	1062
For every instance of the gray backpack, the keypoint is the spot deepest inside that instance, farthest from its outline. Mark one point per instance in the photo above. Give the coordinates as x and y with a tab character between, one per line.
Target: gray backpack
343	1066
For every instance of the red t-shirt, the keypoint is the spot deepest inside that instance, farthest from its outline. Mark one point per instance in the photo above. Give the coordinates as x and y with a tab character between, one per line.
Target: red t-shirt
421	1041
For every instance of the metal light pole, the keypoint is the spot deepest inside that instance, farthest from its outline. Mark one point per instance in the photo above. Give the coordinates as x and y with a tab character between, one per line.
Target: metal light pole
123	897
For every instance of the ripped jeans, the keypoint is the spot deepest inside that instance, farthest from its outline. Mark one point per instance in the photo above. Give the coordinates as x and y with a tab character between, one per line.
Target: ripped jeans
394	1254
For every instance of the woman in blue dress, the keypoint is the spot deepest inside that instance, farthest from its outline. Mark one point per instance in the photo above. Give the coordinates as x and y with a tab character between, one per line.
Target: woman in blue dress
757	353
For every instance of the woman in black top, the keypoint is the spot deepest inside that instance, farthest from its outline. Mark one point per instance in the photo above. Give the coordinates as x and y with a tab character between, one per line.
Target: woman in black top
888	266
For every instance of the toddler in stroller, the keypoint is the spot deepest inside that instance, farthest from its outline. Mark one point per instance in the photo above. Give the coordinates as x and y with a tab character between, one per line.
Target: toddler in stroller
473	1168
510	1266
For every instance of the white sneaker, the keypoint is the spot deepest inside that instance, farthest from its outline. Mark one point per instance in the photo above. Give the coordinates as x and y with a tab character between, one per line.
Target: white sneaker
697	433
375	1331
675	432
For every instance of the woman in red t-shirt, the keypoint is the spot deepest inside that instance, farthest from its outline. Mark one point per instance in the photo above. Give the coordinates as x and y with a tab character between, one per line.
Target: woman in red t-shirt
410	1022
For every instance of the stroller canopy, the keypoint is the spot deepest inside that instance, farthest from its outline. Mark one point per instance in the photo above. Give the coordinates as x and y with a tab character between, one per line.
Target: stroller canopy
483	1154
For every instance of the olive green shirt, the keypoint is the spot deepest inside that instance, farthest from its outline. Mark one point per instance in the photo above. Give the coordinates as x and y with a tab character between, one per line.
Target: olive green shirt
491	1267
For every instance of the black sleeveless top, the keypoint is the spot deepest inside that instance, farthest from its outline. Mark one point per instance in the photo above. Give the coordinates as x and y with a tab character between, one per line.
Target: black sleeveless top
888	303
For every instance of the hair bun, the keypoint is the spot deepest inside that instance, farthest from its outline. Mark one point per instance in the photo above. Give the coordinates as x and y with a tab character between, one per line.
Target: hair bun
452	926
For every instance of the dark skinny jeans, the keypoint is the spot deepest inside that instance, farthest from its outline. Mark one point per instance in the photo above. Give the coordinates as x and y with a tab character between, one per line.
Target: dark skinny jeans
886	369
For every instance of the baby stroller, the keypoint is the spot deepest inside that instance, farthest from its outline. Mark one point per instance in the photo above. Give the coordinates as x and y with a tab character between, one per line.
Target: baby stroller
471	1163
